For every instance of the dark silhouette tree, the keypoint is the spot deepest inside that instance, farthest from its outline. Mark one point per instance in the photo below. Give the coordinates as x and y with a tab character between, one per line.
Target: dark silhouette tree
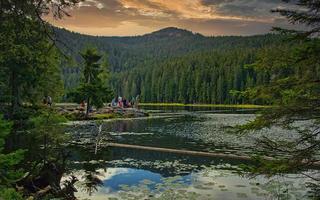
294	90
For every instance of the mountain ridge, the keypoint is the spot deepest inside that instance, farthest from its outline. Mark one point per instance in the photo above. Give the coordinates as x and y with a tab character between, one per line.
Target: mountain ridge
125	54
167	31
171	65
172	32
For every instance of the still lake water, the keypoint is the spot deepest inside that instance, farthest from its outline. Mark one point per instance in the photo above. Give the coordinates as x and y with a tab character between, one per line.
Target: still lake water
119	173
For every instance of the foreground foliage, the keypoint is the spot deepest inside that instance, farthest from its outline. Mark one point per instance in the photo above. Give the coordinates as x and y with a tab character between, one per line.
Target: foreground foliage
294	89
9	173
29	70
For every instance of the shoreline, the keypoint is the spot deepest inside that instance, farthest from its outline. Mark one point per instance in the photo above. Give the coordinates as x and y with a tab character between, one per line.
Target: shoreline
248	106
73	112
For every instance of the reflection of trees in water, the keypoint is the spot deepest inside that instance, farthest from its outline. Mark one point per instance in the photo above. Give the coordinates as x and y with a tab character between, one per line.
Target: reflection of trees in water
314	190
91	181
122	126
140	125
79	153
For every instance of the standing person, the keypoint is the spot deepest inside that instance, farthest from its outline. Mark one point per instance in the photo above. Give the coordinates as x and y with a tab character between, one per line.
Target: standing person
120	102
49	101
137	101
132	102
124	102
113	102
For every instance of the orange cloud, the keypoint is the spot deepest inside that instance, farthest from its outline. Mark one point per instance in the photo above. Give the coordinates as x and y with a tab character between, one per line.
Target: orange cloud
184	9
210	17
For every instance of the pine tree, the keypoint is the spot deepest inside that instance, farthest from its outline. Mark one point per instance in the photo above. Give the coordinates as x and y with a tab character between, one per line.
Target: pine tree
26	52
294	90
308	16
9	174
94	88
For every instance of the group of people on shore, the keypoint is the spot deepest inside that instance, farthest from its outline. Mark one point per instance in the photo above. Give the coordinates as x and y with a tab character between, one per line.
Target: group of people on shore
122	102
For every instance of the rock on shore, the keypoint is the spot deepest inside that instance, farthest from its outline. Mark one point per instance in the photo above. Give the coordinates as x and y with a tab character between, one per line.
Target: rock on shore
73	111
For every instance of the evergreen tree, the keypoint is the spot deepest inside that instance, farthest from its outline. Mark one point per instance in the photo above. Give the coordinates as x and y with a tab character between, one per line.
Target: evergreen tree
204	77
9	173
29	69
94	88
294	89
29	64
308	16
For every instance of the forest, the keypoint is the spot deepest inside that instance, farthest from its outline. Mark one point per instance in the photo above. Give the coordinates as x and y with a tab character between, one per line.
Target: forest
45	72
174	65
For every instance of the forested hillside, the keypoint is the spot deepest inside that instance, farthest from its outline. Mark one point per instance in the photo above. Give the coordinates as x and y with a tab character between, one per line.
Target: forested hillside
172	65
197	78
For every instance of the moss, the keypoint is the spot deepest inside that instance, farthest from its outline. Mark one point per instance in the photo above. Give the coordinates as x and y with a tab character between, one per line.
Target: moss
81	116
10	193
105	116
74	116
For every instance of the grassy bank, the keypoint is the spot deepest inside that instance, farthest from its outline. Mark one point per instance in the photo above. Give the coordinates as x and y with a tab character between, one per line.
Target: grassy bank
249	106
81	116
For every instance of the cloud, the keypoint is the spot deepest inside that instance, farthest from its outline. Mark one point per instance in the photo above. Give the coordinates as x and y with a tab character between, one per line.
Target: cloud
210	17
91	3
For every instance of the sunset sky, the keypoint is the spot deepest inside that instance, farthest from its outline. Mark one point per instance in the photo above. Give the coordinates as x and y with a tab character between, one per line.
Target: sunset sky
208	17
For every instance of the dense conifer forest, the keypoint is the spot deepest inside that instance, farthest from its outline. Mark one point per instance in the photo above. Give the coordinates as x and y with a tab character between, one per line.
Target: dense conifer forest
173	65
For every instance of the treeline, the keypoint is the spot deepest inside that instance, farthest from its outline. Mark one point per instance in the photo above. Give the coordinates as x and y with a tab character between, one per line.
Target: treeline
195	78
136	61
126	53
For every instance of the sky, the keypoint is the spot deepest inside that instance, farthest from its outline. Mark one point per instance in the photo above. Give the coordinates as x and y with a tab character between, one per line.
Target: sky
208	17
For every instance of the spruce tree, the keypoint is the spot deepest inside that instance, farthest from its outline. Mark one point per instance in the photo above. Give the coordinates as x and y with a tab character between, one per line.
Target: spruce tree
94	88
294	90
9	173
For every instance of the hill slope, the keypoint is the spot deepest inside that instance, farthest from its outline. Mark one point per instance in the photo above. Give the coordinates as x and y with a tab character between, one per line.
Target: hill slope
172	65
126	52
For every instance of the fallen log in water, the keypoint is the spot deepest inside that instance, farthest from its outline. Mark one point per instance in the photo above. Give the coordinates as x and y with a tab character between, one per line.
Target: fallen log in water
197	153
185	152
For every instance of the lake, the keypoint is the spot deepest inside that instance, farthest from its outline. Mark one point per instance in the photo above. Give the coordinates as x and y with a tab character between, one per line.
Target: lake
120	173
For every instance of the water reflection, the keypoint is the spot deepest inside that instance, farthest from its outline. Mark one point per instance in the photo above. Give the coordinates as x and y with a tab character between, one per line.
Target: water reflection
197	131
133	177
91	180
201	109
127	174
